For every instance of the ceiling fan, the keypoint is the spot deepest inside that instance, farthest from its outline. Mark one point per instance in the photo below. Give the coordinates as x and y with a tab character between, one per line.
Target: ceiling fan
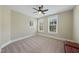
40	10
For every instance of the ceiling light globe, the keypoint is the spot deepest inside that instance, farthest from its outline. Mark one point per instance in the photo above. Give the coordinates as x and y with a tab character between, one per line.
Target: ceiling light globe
39	12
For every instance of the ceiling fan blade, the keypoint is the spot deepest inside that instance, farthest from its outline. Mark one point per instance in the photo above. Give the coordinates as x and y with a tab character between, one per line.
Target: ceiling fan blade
43	13
44	10
34	12
41	6
35	9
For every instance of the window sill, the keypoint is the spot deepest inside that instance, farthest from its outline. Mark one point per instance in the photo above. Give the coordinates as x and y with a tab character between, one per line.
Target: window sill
53	32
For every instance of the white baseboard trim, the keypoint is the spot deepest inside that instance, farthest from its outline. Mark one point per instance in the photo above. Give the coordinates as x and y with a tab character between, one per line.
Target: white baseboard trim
12	41
54	37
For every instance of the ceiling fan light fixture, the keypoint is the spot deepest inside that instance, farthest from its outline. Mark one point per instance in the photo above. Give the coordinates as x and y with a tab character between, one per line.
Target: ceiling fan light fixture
39	12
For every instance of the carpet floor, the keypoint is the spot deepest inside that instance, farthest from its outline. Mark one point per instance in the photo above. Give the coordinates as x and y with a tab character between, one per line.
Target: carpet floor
35	44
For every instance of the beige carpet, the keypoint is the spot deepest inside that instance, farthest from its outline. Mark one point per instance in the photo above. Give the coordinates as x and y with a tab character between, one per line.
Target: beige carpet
35	44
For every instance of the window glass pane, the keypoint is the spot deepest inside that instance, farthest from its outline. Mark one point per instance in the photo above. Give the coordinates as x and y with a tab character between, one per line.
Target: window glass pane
55	22
51	22
41	27
31	23
52	28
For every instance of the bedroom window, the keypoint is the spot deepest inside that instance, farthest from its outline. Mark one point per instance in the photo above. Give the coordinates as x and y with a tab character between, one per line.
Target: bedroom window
31	23
40	25
53	24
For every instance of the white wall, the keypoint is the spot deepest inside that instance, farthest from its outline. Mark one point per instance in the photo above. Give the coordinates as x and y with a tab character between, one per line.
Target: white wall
20	25
65	25
5	24
0	23
76	24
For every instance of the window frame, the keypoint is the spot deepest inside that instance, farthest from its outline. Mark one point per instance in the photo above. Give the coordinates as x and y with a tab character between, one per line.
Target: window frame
49	19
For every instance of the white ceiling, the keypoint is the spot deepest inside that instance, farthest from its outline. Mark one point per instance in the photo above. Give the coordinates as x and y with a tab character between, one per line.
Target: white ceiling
28	9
